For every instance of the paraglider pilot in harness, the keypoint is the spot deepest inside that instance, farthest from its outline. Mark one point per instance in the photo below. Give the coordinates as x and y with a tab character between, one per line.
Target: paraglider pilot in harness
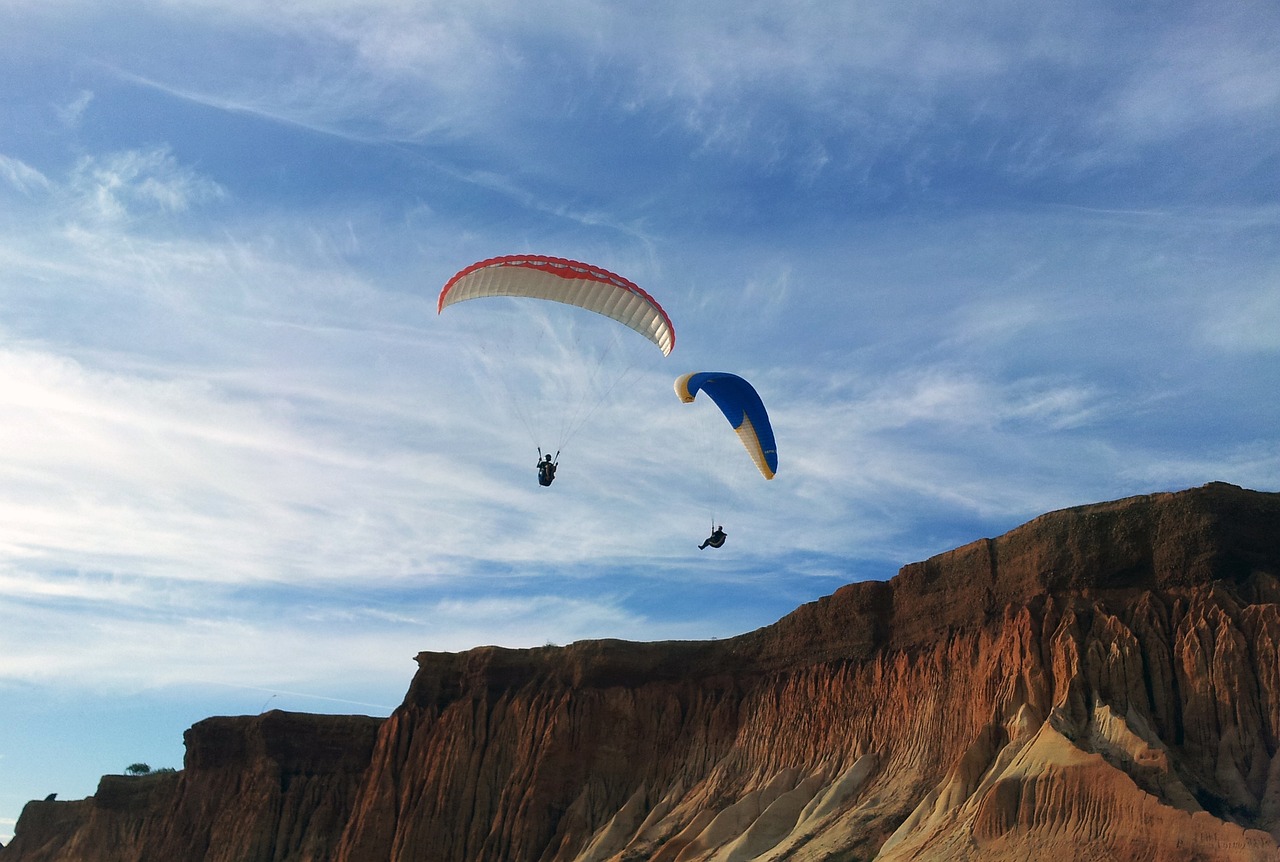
715	540
547	468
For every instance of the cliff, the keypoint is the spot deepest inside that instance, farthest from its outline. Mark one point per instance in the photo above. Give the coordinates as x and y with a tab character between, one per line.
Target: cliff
274	786
1100	683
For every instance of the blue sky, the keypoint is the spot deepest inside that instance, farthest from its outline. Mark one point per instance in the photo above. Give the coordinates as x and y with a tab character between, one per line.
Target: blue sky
981	260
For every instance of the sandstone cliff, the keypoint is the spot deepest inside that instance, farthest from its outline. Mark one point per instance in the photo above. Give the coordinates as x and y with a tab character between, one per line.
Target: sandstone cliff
1101	683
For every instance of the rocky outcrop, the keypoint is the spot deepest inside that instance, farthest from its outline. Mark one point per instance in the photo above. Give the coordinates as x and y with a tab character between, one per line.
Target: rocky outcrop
1100	683
269	787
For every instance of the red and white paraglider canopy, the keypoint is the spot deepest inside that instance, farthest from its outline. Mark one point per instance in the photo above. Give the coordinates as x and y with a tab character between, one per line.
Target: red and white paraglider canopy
569	281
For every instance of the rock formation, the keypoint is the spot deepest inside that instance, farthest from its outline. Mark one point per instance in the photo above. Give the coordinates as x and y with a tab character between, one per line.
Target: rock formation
1101	683
274	786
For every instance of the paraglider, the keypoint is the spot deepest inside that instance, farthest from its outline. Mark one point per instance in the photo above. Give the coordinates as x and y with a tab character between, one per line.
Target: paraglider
741	405
556	372
715	540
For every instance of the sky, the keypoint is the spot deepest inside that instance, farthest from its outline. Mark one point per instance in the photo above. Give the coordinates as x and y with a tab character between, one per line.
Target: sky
981	261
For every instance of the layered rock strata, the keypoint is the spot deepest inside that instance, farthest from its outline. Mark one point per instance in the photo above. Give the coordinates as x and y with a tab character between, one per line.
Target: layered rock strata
1100	683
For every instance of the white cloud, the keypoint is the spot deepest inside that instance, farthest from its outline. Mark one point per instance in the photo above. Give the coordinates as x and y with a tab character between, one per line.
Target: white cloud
22	176
116	633
138	182
71	113
1212	65
1251	465
1243	320
949	399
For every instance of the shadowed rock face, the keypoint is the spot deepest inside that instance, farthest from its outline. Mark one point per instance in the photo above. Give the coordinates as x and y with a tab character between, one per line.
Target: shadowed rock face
1100	683
267	787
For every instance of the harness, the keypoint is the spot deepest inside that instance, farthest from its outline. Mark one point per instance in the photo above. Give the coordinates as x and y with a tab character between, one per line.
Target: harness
547	469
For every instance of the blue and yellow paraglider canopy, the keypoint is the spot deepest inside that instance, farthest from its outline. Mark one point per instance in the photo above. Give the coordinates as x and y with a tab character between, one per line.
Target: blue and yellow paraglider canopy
741	405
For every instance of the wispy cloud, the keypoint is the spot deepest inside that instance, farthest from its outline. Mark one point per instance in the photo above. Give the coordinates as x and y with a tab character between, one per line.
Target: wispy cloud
22	176
134	182
71	113
1203	69
1246	318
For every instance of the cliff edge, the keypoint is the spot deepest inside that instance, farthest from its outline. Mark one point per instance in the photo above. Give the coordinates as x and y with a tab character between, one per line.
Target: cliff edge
1100	683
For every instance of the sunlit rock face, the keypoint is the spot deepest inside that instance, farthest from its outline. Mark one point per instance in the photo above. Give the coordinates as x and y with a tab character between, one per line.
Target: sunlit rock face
1100	683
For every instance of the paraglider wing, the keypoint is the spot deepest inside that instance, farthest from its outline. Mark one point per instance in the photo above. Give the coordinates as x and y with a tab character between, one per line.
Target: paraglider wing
741	405
567	281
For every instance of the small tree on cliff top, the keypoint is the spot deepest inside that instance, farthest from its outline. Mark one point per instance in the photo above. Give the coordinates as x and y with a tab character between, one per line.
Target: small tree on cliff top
137	769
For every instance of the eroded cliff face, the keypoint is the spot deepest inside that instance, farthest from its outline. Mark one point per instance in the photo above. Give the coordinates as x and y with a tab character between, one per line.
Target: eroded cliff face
1101	683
